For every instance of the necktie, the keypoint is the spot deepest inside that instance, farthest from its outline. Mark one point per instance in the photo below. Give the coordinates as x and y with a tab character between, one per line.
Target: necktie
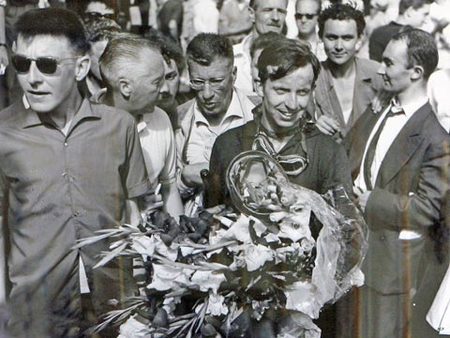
394	110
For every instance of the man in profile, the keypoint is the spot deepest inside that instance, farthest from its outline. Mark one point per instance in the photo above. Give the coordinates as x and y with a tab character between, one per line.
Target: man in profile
67	167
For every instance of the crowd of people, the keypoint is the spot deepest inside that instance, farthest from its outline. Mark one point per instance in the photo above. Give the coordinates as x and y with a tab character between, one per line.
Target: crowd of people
111	108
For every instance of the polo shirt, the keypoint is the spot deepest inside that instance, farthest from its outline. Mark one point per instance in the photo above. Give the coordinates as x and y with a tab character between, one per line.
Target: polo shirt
59	189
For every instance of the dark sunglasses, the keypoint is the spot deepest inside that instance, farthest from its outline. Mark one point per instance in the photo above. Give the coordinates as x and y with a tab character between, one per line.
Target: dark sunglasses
46	65
97	15
299	16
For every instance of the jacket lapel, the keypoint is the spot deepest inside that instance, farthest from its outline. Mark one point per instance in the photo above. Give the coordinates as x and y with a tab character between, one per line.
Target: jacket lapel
403	147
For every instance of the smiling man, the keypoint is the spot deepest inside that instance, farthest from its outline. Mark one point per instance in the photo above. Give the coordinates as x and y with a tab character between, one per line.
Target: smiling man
347	84
67	169
400	164
267	16
288	71
216	108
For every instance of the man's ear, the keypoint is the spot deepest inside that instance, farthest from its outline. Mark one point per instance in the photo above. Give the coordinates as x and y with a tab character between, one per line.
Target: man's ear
82	67
251	11
125	87
359	42
234	74
259	88
417	73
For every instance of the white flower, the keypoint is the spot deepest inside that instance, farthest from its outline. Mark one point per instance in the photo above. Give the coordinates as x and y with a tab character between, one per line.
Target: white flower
168	277
301	296
296	225
256	256
216	305
144	245
207	280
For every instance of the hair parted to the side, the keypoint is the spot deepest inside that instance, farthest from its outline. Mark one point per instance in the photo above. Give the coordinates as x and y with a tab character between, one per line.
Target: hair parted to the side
340	11
414	4
207	47
284	57
122	56
57	22
421	49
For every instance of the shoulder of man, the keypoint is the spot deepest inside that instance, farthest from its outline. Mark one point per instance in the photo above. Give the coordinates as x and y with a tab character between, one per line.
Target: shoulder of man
112	113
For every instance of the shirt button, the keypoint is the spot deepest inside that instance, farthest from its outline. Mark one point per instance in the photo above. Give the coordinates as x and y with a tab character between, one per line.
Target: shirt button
64	174
66	144
76	214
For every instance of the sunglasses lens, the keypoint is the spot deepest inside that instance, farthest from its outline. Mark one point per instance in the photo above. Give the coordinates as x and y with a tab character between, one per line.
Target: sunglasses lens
21	64
46	65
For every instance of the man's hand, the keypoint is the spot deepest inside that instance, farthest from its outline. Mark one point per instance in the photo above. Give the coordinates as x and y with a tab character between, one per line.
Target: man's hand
327	125
362	197
152	201
191	174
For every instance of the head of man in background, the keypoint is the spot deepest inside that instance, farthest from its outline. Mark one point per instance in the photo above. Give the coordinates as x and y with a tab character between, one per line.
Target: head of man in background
268	15
174	65
413	12
95	9
306	16
212	74
341	29
133	69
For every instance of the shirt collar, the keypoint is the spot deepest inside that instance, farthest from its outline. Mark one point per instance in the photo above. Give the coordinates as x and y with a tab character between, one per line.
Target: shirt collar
144	119
411	107
234	110
30	118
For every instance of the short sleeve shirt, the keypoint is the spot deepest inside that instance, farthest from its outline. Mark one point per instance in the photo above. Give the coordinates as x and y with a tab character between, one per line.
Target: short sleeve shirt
158	146
62	188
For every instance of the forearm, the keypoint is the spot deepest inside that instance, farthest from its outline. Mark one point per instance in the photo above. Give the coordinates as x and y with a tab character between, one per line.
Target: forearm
134	212
172	200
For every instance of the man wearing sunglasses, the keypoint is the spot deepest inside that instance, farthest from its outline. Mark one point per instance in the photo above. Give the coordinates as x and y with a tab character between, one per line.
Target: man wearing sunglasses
99	9
347	84
216	108
67	168
306	15
287	71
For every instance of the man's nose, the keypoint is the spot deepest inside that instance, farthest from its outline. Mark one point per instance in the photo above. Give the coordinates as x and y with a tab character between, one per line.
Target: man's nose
382	69
34	76
339	45
207	91
292	102
275	15
164	87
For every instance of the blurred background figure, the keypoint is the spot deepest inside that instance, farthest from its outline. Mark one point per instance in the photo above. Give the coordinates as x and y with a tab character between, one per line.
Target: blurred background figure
438	94
234	20
266	16
170	18
306	16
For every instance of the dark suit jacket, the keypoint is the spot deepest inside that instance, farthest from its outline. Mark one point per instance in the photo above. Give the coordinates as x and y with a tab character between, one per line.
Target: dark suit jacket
408	194
367	83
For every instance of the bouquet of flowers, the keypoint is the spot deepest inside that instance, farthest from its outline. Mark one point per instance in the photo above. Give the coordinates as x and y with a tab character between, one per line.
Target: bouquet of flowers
288	253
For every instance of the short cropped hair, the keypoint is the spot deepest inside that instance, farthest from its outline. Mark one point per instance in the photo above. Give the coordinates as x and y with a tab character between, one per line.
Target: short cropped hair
415	4
263	41
122	56
339	11
284	57
56	22
207	47
170	50
101	29
421	49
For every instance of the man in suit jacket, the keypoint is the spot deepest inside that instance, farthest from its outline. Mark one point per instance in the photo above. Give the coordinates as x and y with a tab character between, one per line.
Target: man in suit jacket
346	84
400	160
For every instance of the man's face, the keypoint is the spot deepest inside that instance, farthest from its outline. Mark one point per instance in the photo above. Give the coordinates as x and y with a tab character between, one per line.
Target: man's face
99	9
394	68
285	99
417	17
169	88
147	82
48	93
341	41
269	15
306	15
213	85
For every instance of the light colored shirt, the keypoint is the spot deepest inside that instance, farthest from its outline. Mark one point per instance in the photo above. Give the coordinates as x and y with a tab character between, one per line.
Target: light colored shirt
202	136
205	17
390	131
158	147
438	94
243	63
